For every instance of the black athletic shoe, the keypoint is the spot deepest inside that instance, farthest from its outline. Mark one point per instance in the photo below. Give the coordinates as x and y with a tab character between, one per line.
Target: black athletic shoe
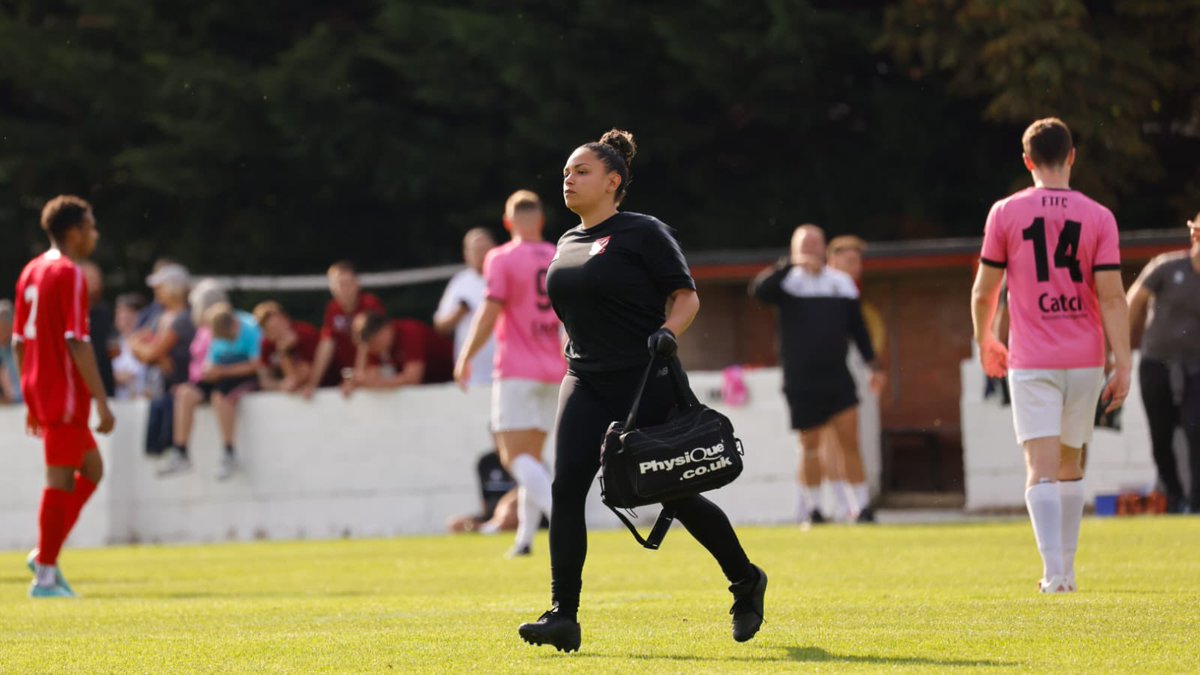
816	517
555	629
865	516
747	607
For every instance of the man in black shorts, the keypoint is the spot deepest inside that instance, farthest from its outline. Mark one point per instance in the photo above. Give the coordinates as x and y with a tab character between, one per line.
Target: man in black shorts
819	313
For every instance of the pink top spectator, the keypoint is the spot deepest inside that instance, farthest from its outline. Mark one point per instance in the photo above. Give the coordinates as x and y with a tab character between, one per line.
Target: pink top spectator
528	346
1051	242
199	352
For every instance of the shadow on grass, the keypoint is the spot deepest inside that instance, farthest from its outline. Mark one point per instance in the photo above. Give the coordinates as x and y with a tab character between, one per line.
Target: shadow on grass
819	655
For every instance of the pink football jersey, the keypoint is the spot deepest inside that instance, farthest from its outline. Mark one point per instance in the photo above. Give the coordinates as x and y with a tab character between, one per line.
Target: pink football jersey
528	345
1052	242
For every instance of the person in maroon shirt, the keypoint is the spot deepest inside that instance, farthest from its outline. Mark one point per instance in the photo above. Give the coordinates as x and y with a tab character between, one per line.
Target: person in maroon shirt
337	346
288	349
398	352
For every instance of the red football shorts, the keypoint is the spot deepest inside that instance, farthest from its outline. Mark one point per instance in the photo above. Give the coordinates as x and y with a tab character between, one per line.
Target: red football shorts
66	445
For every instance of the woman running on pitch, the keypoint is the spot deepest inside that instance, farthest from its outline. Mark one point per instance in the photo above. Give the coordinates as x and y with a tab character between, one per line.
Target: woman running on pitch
620	285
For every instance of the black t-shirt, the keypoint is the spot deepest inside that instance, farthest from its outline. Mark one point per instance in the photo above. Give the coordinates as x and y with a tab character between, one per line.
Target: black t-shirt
609	286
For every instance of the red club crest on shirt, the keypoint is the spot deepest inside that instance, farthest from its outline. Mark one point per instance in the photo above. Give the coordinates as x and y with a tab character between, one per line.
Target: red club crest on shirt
599	245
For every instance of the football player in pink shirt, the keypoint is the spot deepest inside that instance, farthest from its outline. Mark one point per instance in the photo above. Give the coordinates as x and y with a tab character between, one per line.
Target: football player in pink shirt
529	362
1061	253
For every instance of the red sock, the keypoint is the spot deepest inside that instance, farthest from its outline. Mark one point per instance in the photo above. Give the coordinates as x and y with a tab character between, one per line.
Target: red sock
83	491
52	520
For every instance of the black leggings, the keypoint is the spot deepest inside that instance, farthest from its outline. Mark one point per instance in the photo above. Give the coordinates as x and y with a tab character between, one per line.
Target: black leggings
587	403
1164	414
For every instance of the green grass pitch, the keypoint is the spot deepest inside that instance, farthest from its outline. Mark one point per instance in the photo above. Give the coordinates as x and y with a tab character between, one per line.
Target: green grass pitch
921	598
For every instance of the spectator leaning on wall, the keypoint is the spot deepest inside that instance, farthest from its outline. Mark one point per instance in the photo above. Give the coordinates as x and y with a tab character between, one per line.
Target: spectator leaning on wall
288	349
398	353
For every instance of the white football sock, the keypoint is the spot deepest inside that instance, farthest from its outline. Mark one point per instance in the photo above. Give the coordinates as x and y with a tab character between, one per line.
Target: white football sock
862	496
843	503
529	516
1046	513
1070	494
533	476
806	500
46	575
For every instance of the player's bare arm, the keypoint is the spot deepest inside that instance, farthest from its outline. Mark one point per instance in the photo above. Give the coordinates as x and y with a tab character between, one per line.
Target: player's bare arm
1139	299
85	360
985	296
682	308
1115	312
481	330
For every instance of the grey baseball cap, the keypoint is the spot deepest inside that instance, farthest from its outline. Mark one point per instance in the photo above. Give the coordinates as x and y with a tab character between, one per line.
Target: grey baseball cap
169	275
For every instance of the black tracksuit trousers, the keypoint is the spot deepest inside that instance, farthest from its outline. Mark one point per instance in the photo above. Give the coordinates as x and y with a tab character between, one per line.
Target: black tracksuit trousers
588	402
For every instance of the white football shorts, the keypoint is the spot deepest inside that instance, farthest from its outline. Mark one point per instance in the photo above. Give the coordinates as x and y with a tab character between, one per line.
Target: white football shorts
520	405
1055	403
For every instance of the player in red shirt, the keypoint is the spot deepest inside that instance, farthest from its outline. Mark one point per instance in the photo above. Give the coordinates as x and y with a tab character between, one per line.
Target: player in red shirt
337	348
1061	254
59	377
398	353
288	350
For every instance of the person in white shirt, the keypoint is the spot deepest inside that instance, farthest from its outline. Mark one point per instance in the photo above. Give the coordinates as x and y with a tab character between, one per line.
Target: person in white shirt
461	301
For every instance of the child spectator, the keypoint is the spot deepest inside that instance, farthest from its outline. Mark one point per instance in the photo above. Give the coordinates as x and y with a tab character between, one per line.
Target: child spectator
229	371
398	353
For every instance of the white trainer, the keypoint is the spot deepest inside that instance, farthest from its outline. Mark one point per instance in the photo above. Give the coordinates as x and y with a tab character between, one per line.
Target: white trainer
174	464
1055	584
228	467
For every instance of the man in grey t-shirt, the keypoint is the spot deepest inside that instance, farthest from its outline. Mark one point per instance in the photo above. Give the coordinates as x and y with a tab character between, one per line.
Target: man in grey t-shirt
1164	313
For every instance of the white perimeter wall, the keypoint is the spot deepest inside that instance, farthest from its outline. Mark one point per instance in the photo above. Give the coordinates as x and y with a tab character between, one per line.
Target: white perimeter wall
994	464
384	464
379	464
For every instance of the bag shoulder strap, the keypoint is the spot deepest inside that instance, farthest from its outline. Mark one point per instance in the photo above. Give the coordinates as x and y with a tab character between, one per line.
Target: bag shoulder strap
657	533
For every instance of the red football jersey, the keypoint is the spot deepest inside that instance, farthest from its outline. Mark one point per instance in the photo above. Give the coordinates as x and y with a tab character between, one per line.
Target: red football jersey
305	350
51	308
337	326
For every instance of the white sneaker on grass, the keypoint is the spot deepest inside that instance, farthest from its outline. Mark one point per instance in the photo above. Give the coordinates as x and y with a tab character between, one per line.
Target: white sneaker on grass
1055	584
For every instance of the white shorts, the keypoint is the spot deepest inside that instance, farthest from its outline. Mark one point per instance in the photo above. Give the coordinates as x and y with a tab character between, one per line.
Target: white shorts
520	405
1058	403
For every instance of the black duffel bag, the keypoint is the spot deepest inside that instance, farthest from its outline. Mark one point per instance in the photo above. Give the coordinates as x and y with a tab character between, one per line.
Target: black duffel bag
692	452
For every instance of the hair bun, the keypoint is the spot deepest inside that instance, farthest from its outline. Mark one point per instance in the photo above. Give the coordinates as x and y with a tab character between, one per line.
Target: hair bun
621	141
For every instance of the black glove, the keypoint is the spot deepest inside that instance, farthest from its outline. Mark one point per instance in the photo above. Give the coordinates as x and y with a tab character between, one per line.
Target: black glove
662	343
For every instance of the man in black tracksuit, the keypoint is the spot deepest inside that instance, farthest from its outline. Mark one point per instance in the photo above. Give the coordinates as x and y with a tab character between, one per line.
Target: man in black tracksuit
819	314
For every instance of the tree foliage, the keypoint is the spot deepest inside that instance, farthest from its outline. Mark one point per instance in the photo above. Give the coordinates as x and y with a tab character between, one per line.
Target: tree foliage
274	136
1121	73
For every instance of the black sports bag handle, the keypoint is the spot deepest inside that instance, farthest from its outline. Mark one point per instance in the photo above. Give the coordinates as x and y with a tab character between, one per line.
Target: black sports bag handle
683	393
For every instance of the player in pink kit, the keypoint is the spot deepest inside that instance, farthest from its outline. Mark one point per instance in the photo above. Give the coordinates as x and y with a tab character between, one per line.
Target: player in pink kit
1061	253
529	363
59	378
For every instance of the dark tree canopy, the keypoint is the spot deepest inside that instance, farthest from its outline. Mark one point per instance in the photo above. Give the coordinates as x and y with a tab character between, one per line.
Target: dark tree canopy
271	136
